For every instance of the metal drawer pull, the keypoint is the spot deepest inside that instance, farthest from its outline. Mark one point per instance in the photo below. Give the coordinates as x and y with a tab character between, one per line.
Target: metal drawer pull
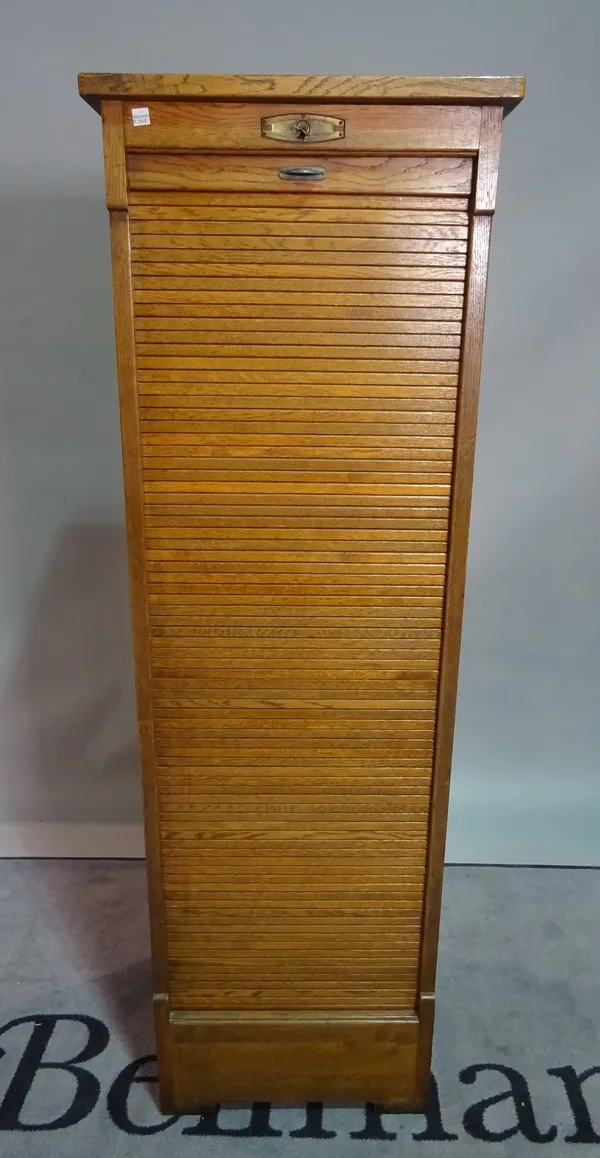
301	173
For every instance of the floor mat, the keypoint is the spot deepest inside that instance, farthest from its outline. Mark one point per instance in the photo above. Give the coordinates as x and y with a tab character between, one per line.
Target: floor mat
516	1057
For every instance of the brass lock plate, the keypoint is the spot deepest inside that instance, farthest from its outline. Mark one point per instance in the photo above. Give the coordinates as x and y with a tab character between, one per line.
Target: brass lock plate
303	127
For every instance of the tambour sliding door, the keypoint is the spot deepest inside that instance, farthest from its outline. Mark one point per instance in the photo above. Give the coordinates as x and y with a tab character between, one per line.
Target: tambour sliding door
296	497
298	367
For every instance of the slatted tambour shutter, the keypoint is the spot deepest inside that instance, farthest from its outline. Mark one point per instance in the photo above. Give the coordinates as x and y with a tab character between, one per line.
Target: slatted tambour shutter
297	372
298	375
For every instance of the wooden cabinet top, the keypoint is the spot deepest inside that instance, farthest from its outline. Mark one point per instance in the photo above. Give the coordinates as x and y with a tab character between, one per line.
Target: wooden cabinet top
505	90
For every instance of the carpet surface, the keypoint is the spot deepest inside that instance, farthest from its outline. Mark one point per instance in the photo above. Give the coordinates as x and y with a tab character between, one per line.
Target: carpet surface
516	1030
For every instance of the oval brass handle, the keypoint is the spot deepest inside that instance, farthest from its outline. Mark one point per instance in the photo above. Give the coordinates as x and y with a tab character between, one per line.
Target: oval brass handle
301	173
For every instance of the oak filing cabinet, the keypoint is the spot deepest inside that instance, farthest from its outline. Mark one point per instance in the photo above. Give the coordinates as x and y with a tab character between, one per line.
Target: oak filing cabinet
299	272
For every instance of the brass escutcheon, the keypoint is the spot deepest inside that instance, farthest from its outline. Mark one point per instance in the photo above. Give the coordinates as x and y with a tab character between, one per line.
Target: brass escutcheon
303	127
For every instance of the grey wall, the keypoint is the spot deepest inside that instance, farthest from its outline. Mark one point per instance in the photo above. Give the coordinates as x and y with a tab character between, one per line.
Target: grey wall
525	784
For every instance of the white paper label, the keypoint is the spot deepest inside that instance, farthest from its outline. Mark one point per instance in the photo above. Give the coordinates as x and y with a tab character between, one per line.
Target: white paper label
140	116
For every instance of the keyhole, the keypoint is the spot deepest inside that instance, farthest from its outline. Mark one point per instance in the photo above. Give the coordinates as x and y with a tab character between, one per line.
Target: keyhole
302	128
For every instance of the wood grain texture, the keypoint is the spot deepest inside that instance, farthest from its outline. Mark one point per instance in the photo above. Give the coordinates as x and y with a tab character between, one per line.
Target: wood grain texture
235	419
115	171
298	379
454	90
455	587
304	258
134	509
352	331
224	1056
426	1013
373	208
368	128
406	307
280	420
488	160
164	1052
365	174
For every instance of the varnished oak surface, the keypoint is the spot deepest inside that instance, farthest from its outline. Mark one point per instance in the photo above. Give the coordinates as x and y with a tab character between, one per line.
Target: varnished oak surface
269	418
503	90
343	174
245	1058
298	374
368	128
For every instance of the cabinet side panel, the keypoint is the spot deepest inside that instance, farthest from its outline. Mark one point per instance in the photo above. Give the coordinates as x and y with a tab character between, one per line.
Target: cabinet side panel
464	453
119	232
464	456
